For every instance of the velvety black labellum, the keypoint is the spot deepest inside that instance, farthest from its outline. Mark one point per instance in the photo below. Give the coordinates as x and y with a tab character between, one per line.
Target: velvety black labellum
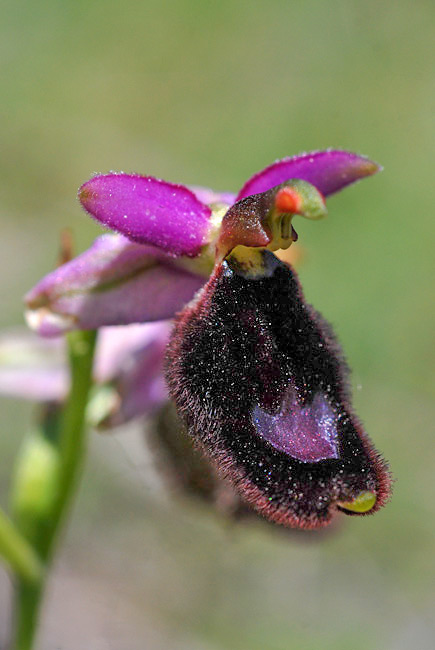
258	378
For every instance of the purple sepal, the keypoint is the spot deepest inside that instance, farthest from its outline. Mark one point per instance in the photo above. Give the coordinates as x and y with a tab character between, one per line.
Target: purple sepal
149	211
114	282
329	171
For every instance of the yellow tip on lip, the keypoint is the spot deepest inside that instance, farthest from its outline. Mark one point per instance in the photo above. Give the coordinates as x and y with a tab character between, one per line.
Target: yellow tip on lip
362	503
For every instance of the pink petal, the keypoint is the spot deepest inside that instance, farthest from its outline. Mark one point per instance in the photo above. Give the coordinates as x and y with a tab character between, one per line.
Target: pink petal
148	211
139	382
32	368
114	282
329	171
117	347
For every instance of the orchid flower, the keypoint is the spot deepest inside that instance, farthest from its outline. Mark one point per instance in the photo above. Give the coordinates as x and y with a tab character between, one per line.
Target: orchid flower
255	373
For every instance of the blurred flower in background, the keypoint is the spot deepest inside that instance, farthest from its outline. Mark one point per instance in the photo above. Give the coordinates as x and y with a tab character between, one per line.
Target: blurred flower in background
128	370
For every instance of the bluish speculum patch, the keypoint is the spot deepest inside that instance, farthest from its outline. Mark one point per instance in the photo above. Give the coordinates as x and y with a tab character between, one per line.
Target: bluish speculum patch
307	433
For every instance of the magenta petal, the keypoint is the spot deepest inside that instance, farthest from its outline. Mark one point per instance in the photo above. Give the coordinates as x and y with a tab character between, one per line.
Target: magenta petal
115	282
148	211
329	171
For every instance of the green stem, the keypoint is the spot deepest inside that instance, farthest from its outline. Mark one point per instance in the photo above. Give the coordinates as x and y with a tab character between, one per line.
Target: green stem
72	439
28	603
71	445
17	551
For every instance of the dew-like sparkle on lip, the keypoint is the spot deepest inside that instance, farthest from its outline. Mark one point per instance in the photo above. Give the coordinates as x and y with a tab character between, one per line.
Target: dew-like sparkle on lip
307	433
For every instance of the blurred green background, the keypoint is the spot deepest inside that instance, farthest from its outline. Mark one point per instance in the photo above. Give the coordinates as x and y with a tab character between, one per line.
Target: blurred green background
209	93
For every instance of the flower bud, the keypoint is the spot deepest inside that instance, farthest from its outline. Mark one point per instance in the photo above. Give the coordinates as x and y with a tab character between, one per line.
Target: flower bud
35	482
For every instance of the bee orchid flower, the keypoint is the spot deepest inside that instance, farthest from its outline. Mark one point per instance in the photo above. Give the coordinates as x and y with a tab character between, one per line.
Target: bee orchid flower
256	374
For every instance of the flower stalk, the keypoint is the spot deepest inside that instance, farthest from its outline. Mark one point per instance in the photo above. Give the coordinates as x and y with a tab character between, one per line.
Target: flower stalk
72	439
50	464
